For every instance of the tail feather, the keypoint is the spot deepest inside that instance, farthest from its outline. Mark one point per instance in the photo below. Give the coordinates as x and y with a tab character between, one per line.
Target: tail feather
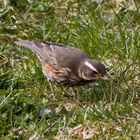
33	46
27	44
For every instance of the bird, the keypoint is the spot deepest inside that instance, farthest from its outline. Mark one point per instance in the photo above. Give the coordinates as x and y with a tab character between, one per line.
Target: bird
66	65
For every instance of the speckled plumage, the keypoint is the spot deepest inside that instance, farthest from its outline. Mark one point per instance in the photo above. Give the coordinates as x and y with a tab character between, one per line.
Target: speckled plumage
65	65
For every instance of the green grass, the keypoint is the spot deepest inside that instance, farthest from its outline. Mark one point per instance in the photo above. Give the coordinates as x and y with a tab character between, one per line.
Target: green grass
104	110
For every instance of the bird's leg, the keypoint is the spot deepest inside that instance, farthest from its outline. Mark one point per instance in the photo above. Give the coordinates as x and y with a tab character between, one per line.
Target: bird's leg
62	89
74	92
52	90
65	91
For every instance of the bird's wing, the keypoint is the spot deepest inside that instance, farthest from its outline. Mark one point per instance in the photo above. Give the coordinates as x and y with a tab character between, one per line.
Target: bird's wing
60	54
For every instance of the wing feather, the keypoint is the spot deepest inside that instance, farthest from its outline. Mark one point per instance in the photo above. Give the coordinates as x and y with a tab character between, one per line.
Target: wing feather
55	54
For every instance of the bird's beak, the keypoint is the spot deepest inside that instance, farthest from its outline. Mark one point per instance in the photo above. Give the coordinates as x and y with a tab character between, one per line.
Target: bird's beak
104	77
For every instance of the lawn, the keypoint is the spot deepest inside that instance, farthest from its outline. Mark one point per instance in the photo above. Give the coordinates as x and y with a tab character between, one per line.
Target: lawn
109	31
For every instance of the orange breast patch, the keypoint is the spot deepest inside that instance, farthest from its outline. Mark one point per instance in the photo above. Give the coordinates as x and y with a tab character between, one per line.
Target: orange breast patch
49	69
57	73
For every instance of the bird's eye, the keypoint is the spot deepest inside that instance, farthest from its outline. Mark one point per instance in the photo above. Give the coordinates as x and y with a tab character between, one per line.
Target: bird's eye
95	72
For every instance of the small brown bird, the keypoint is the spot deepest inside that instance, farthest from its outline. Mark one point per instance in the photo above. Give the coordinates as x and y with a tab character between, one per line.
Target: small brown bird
66	65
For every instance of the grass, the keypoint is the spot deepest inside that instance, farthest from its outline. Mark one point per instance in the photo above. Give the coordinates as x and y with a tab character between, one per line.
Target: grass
108	31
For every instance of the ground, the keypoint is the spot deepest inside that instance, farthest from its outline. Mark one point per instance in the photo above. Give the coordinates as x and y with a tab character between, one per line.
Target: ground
109	31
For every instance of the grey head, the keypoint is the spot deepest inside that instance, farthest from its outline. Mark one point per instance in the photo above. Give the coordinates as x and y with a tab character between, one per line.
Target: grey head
92	70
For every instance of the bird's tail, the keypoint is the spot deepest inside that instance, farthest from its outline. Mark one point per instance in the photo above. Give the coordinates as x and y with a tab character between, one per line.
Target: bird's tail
34	46
28	44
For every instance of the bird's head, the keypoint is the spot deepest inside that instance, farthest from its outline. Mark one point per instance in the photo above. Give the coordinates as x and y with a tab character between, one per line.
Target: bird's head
91	69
